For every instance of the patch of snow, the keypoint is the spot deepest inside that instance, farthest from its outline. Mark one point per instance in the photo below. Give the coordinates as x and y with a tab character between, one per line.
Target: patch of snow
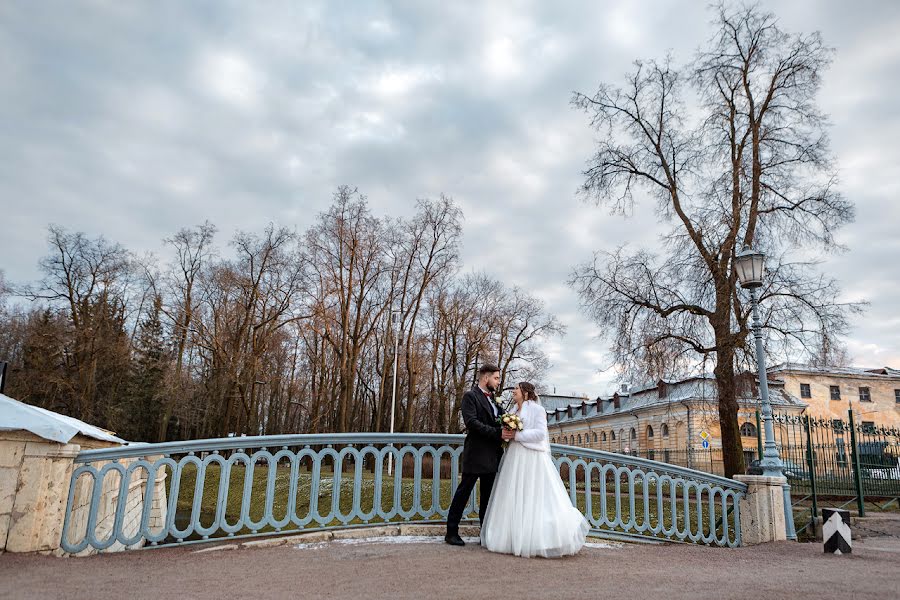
603	545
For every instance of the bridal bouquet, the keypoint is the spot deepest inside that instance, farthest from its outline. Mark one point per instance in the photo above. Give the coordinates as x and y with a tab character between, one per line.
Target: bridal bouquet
512	422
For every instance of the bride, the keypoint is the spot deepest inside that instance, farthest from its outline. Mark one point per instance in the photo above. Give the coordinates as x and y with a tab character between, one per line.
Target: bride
529	513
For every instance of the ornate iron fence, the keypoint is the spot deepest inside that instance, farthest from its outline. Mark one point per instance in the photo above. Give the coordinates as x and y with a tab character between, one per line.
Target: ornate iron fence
196	491
839	462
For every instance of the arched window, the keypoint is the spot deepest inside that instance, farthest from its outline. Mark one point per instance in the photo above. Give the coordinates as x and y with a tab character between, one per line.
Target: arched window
613	434
665	430
633	434
649	431
595	437
748	430
579	438
603	436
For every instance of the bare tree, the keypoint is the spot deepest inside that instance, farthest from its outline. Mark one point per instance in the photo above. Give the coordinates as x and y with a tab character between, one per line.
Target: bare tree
427	251
346	262
733	150
89	281
192	250
521	323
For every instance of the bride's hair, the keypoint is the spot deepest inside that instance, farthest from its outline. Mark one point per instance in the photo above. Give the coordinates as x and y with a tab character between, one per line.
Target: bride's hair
528	391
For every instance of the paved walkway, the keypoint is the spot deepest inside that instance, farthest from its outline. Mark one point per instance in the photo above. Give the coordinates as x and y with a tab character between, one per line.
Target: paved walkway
422	569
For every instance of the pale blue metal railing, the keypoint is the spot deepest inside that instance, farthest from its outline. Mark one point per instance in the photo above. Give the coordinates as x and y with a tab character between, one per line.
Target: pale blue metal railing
250	486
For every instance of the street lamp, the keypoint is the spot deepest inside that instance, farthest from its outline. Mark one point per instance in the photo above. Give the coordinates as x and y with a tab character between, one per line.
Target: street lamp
395	321
750	268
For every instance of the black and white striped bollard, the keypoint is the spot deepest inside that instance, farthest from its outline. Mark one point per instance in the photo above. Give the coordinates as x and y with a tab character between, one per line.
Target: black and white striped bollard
836	531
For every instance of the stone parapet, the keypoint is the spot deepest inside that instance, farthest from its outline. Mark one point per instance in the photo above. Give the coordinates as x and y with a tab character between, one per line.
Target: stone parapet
762	510
34	487
35	480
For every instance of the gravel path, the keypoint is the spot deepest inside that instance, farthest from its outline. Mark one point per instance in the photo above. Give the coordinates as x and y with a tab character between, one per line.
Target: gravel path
428	569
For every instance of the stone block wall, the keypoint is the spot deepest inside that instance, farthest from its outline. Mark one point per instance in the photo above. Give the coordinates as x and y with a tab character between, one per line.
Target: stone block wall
34	483
35	475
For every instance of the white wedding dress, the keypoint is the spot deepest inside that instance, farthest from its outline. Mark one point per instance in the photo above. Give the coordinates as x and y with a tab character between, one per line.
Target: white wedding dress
530	513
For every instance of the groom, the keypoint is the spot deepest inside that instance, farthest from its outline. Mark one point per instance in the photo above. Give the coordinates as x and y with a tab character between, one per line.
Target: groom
481	451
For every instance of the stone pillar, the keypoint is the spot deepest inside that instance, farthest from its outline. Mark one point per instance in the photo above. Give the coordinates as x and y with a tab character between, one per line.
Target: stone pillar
762	510
34	488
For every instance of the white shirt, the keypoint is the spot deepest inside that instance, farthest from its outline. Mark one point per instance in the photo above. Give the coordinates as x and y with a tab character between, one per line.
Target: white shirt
490	401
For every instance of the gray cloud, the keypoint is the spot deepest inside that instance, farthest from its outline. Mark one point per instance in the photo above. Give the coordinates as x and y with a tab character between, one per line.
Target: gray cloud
132	121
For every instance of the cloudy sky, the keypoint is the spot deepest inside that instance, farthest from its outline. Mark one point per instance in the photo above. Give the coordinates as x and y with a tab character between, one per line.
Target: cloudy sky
133	119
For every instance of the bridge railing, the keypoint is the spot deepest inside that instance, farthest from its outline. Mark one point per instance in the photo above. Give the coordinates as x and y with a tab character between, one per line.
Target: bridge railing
195	491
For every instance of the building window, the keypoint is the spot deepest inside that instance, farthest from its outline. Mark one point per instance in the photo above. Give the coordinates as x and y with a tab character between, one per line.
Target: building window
748	430
595	437
579	438
603	436
897	396
868	426
613	434
649	431
864	395
804	391
633	434
837	425
835	392
665	430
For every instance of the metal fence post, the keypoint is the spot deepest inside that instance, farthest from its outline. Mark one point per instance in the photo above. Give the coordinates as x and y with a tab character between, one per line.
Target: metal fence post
811	463
857	475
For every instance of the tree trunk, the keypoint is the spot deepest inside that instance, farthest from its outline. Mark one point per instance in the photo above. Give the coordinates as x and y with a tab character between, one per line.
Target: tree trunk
732	450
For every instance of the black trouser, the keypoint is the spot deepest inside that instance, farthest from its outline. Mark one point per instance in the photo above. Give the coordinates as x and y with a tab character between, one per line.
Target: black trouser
461	498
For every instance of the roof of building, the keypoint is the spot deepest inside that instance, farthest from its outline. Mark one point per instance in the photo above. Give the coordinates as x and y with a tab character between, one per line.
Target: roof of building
16	416
661	394
551	402
887	372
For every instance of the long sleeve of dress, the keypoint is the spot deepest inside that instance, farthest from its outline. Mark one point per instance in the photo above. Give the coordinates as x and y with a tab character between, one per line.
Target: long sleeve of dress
534	436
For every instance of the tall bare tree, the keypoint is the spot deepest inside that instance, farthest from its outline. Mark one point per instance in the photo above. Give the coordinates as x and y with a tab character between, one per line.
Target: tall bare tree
89	283
346	261
733	151
193	248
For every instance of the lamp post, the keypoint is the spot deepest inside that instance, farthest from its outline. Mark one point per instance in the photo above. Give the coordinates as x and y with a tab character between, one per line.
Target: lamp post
395	321
749	265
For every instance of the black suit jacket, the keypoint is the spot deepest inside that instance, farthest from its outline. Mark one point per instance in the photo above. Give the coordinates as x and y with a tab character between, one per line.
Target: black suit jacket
483	447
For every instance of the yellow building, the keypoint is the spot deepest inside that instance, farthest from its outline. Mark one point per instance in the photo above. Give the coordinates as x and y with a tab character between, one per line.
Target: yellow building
675	422
873	394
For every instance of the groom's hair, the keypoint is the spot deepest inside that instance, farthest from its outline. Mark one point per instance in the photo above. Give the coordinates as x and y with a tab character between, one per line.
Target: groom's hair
486	369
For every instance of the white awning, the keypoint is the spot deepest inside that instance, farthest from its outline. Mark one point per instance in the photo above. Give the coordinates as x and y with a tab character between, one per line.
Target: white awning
17	416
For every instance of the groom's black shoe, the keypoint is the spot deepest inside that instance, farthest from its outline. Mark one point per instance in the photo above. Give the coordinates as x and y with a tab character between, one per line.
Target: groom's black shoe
454	540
